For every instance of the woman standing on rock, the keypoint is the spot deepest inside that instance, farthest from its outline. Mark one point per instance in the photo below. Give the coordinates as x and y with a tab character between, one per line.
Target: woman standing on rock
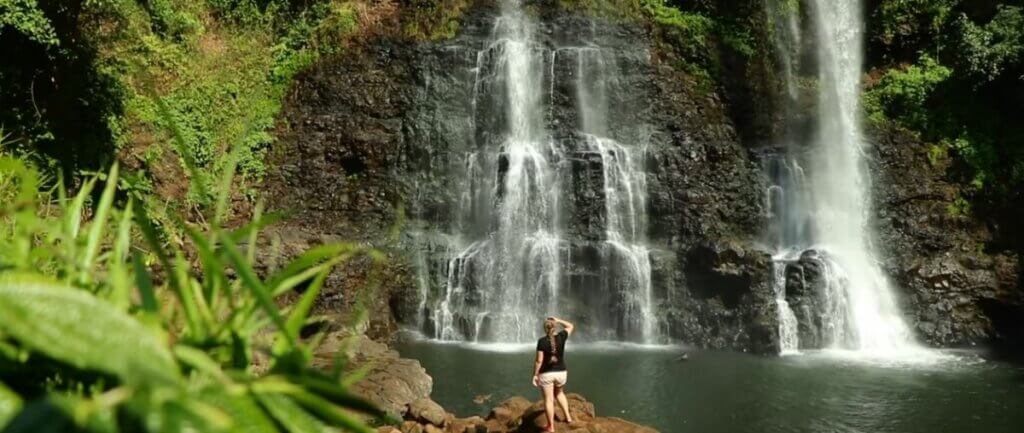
549	372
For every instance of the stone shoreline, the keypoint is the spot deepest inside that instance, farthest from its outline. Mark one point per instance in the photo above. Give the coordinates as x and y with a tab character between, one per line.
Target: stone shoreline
402	387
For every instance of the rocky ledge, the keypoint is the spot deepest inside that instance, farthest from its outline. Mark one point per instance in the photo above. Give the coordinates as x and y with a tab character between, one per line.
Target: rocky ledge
402	387
516	414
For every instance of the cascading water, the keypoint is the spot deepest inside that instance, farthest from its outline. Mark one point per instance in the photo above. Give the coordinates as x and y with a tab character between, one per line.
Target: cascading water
840	188
510	245
789	225
828	210
628	269
786	197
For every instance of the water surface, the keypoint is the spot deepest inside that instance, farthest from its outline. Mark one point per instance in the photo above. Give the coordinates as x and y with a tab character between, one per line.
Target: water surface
732	392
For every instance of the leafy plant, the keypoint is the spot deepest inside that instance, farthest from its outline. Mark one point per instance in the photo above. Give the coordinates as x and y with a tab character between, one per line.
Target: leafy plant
25	17
903	95
988	50
99	335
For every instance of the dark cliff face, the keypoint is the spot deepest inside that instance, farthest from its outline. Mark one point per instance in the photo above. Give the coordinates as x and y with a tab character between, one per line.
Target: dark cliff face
368	132
381	129
957	291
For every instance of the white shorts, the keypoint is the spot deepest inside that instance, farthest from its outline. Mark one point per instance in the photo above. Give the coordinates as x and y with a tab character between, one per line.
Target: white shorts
553	378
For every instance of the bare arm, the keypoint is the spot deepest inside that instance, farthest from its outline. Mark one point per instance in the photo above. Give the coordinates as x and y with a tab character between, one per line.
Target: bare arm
566	324
536	368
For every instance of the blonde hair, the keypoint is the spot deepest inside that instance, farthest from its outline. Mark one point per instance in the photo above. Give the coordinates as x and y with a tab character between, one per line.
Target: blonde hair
549	329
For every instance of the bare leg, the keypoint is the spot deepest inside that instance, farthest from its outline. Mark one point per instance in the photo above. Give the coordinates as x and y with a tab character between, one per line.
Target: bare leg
564	402
549	407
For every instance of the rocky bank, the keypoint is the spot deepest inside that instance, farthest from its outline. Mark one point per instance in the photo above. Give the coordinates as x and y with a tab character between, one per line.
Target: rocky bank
402	388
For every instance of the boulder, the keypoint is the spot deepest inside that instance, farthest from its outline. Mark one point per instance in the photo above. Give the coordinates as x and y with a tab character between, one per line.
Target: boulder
582	411
411	427
426	411
510	410
392	383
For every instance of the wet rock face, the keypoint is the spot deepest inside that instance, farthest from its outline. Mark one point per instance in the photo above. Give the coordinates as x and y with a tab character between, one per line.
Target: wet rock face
956	290
814	296
723	298
388	125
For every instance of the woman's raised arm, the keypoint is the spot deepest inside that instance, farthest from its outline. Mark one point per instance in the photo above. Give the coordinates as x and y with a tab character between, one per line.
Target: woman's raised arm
565	323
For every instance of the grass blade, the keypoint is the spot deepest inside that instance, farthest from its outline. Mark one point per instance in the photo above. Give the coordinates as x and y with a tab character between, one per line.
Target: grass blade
253	283
98	224
290	415
145	285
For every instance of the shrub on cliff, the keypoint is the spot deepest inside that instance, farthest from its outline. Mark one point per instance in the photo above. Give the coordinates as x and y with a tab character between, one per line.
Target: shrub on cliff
953	71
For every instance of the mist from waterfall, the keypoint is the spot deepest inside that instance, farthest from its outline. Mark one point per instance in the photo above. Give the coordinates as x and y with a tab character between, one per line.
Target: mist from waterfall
509	250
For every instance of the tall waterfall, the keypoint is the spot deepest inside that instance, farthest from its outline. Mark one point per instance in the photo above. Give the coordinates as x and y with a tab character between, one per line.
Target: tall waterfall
510	248
820	218
841	185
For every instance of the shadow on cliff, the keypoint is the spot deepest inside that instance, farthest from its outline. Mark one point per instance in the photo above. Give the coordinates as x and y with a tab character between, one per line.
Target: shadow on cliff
1008	329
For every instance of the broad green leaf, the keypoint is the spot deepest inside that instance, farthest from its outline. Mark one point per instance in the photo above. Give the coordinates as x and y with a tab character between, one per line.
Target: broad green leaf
10	405
290	415
75	327
42	416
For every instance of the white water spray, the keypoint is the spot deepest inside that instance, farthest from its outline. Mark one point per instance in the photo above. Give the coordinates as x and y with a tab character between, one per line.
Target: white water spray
501	284
840	190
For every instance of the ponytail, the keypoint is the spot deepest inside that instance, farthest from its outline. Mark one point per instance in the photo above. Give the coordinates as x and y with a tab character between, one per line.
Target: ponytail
549	328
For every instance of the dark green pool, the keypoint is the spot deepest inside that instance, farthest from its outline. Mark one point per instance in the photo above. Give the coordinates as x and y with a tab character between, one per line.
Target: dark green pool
731	392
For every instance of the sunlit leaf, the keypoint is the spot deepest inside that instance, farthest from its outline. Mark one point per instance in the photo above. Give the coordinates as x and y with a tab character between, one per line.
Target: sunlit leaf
75	327
246	415
290	415
10	404
254	285
99	222
200	361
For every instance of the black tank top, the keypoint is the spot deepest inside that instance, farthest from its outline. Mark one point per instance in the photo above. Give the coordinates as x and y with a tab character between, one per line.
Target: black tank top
558	361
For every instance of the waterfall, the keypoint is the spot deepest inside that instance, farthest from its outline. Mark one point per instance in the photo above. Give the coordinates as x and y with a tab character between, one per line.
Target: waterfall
500	284
789	221
822	219
627	265
512	249
841	185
